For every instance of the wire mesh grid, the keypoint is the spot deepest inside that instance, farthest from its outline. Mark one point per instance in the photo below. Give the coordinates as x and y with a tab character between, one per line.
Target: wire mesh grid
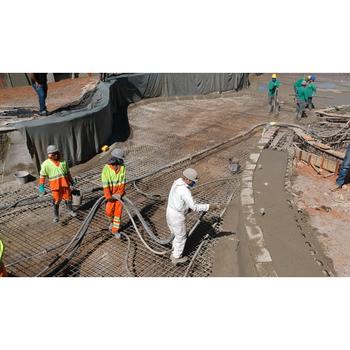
32	241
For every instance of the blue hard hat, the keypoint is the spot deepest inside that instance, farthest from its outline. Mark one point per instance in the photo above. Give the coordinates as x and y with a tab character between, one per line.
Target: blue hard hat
313	77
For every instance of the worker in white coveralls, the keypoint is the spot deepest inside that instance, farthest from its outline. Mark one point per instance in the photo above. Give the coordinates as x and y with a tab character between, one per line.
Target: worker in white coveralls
179	202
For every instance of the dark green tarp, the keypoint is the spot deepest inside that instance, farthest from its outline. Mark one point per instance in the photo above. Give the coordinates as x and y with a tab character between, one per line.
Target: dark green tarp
79	134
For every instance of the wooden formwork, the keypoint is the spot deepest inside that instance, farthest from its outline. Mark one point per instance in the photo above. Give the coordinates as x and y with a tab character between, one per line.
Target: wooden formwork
316	161
334	115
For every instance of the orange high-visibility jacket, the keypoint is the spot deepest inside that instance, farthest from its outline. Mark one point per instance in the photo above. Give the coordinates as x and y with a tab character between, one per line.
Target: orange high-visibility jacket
113	181
56	172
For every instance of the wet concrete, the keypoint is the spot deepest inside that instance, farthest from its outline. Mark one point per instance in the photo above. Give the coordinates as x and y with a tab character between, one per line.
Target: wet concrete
226	262
290	254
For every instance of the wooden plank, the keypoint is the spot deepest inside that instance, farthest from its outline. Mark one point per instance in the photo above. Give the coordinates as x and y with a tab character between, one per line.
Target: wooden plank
330	165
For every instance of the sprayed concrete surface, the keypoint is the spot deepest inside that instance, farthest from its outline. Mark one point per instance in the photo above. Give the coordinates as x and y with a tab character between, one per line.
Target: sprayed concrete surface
226	260
289	252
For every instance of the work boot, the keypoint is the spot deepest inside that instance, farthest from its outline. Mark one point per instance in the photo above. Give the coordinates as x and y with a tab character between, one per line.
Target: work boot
43	114
117	235
178	261
56	216
70	208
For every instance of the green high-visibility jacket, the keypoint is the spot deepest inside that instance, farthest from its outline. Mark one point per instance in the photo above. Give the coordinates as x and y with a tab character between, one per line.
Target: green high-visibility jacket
310	90
2	249
113	180
272	85
301	93
298	83
56	172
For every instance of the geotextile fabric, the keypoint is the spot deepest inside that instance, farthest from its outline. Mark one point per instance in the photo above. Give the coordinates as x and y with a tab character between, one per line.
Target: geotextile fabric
79	134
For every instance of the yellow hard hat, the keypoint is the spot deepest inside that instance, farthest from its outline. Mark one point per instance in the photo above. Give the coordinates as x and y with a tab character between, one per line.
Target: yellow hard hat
308	77
274	76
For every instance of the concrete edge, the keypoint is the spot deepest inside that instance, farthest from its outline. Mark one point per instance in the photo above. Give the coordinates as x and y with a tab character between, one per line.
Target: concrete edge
259	254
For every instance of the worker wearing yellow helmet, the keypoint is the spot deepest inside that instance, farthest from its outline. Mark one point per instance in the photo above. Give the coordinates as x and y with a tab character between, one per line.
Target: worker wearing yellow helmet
3	272
272	87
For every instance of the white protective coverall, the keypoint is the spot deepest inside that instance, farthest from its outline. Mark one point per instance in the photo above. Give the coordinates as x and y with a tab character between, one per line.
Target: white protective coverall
179	201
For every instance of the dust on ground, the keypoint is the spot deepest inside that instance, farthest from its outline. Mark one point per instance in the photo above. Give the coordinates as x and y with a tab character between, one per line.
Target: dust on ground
60	94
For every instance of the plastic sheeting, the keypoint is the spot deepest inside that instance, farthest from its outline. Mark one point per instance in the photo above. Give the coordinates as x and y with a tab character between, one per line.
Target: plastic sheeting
80	134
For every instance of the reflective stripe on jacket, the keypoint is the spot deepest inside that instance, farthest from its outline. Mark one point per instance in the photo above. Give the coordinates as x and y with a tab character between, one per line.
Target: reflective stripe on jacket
56	172
113	180
2	249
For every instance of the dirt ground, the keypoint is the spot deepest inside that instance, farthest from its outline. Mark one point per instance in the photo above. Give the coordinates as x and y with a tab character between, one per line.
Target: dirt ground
328	213
60	94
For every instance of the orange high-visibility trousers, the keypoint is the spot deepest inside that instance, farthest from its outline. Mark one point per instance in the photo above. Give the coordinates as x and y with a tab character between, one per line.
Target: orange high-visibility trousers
3	272
114	211
63	193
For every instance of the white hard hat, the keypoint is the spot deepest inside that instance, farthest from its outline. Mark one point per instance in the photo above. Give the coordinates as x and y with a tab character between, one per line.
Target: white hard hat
52	149
190	174
117	153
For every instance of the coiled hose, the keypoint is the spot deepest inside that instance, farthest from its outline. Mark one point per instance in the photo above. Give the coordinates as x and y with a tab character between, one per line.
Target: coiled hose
76	241
78	238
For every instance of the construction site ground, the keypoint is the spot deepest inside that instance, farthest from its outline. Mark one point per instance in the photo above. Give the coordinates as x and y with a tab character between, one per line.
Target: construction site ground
303	236
21	103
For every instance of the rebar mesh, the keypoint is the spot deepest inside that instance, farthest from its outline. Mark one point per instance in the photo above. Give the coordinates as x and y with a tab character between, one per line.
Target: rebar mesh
32	240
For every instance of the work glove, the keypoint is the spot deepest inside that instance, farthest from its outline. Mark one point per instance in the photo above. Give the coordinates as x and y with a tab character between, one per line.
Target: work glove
215	206
74	181
41	190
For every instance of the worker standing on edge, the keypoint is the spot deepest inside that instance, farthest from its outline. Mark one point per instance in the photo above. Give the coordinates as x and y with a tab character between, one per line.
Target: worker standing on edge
179	202
344	170
39	84
57	172
301	99
113	182
3	272
273	86
310	91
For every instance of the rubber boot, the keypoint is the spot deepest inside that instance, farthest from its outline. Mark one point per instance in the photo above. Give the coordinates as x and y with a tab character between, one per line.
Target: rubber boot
70	208
56	216
178	261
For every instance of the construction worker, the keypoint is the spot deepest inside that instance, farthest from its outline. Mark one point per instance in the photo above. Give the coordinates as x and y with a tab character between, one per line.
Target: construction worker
273	86
344	171
301	99
39	84
57	172
310	91
299	82
113	182
179	202
3	272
